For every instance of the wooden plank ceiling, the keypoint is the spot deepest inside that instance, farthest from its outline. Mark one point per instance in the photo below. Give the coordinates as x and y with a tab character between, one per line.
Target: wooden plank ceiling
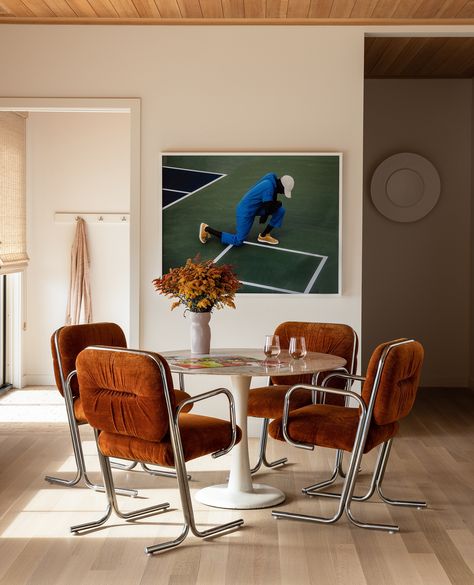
384	57
237	11
440	57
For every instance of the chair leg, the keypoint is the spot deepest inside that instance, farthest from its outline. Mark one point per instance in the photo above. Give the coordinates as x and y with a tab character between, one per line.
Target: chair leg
81	463
160	472
380	476
262	458
123	466
375	484
186	501
144	466
377	481
344	497
78	455
112	505
313	490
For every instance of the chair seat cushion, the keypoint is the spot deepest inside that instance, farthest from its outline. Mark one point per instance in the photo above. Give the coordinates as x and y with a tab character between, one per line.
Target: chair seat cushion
330	426
200	435
268	401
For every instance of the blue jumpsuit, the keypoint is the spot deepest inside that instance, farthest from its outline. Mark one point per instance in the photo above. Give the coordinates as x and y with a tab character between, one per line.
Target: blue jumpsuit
250	207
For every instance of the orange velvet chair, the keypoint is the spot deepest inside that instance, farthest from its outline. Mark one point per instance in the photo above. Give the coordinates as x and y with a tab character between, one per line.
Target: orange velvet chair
66	344
267	402
388	393
128	400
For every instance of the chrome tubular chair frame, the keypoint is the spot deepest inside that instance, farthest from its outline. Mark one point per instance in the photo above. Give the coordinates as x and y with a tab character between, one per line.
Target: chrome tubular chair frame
182	477
262	457
346	496
76	436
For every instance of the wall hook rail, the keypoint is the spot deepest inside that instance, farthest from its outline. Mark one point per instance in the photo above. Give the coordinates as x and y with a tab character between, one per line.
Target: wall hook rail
67	217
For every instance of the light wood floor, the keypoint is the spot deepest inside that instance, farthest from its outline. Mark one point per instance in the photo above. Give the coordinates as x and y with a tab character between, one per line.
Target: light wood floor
432	459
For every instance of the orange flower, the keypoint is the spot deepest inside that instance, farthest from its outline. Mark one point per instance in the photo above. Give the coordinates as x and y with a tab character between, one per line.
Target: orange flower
199	286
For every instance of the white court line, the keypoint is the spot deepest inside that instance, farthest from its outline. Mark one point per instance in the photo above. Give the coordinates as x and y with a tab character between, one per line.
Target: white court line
191	170
293	292
224	251
309	286
192	192
311	282
175	190
279	248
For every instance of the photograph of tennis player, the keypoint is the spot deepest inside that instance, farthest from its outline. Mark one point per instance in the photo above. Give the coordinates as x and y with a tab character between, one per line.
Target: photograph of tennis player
274	217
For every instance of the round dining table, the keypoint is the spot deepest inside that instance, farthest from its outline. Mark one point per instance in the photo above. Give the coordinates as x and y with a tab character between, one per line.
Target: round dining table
241	365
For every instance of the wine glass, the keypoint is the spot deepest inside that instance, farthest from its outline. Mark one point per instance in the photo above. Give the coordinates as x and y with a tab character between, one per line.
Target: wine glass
297	347
272	346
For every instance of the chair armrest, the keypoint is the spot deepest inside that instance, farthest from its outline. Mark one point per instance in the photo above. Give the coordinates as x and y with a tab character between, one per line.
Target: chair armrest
343	376
310	388
205	396
68	396
319	399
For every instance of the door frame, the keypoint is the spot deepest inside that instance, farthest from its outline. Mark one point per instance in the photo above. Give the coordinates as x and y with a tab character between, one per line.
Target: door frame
132	106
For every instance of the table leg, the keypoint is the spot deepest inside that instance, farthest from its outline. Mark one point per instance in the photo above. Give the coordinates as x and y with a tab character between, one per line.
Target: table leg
240	493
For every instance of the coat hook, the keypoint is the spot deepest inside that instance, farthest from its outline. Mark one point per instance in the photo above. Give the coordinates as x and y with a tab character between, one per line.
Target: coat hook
124	218
101	218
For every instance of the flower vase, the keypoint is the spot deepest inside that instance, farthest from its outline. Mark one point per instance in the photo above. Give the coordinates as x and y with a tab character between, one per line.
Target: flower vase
200	332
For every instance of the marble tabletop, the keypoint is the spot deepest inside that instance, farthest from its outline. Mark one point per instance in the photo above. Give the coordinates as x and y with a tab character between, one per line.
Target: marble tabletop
182	361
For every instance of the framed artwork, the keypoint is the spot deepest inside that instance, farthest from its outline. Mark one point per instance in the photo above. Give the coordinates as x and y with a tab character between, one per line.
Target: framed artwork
302	254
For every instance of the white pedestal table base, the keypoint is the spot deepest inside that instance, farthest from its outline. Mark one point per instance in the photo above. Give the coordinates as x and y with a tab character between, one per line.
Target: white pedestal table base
219	496
240	493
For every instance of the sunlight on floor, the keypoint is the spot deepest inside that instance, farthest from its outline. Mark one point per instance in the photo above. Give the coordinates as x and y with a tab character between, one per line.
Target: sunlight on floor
33	404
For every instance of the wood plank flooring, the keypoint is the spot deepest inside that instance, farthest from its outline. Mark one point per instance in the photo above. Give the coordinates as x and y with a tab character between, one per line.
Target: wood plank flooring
432	459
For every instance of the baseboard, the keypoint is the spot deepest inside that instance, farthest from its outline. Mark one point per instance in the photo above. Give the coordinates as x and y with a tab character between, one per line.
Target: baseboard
38	380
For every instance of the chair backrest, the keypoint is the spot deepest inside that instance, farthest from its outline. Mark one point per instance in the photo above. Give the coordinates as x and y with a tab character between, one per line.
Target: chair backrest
68	341
394	373
123	391
334	338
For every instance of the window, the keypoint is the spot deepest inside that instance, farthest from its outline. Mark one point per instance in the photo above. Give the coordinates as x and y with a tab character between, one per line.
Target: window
13	256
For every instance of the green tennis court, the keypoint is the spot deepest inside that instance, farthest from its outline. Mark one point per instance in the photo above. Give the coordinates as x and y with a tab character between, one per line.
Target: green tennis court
207	188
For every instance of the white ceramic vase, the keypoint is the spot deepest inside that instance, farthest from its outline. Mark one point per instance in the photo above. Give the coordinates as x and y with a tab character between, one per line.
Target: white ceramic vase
200	332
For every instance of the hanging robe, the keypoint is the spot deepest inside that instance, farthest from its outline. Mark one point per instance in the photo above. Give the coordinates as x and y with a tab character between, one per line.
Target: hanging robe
79	283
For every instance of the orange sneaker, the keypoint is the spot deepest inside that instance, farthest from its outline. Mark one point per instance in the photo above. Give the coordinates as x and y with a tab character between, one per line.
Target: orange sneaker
203	235
268	239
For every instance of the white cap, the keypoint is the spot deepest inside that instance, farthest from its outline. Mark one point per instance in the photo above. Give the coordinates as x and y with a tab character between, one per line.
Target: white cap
288	184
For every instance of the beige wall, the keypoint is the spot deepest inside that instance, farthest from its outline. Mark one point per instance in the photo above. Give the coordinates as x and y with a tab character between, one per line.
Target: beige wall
215	89
417	276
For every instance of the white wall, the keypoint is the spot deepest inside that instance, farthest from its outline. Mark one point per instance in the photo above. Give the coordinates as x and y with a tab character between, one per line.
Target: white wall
77	162
215	88
211	89
417	276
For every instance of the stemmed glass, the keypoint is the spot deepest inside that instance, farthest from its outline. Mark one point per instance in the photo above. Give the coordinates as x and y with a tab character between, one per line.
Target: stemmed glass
272	347
297	349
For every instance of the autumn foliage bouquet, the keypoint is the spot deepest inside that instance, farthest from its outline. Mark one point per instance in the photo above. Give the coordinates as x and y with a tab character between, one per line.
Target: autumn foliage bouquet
199	286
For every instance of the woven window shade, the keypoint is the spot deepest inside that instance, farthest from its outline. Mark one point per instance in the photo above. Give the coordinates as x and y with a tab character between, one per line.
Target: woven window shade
13	256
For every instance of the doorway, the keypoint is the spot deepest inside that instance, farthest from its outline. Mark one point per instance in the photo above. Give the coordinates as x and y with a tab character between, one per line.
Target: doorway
45	230
417	275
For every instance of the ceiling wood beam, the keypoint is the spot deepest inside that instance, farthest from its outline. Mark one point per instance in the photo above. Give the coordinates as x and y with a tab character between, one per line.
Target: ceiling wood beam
211	7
